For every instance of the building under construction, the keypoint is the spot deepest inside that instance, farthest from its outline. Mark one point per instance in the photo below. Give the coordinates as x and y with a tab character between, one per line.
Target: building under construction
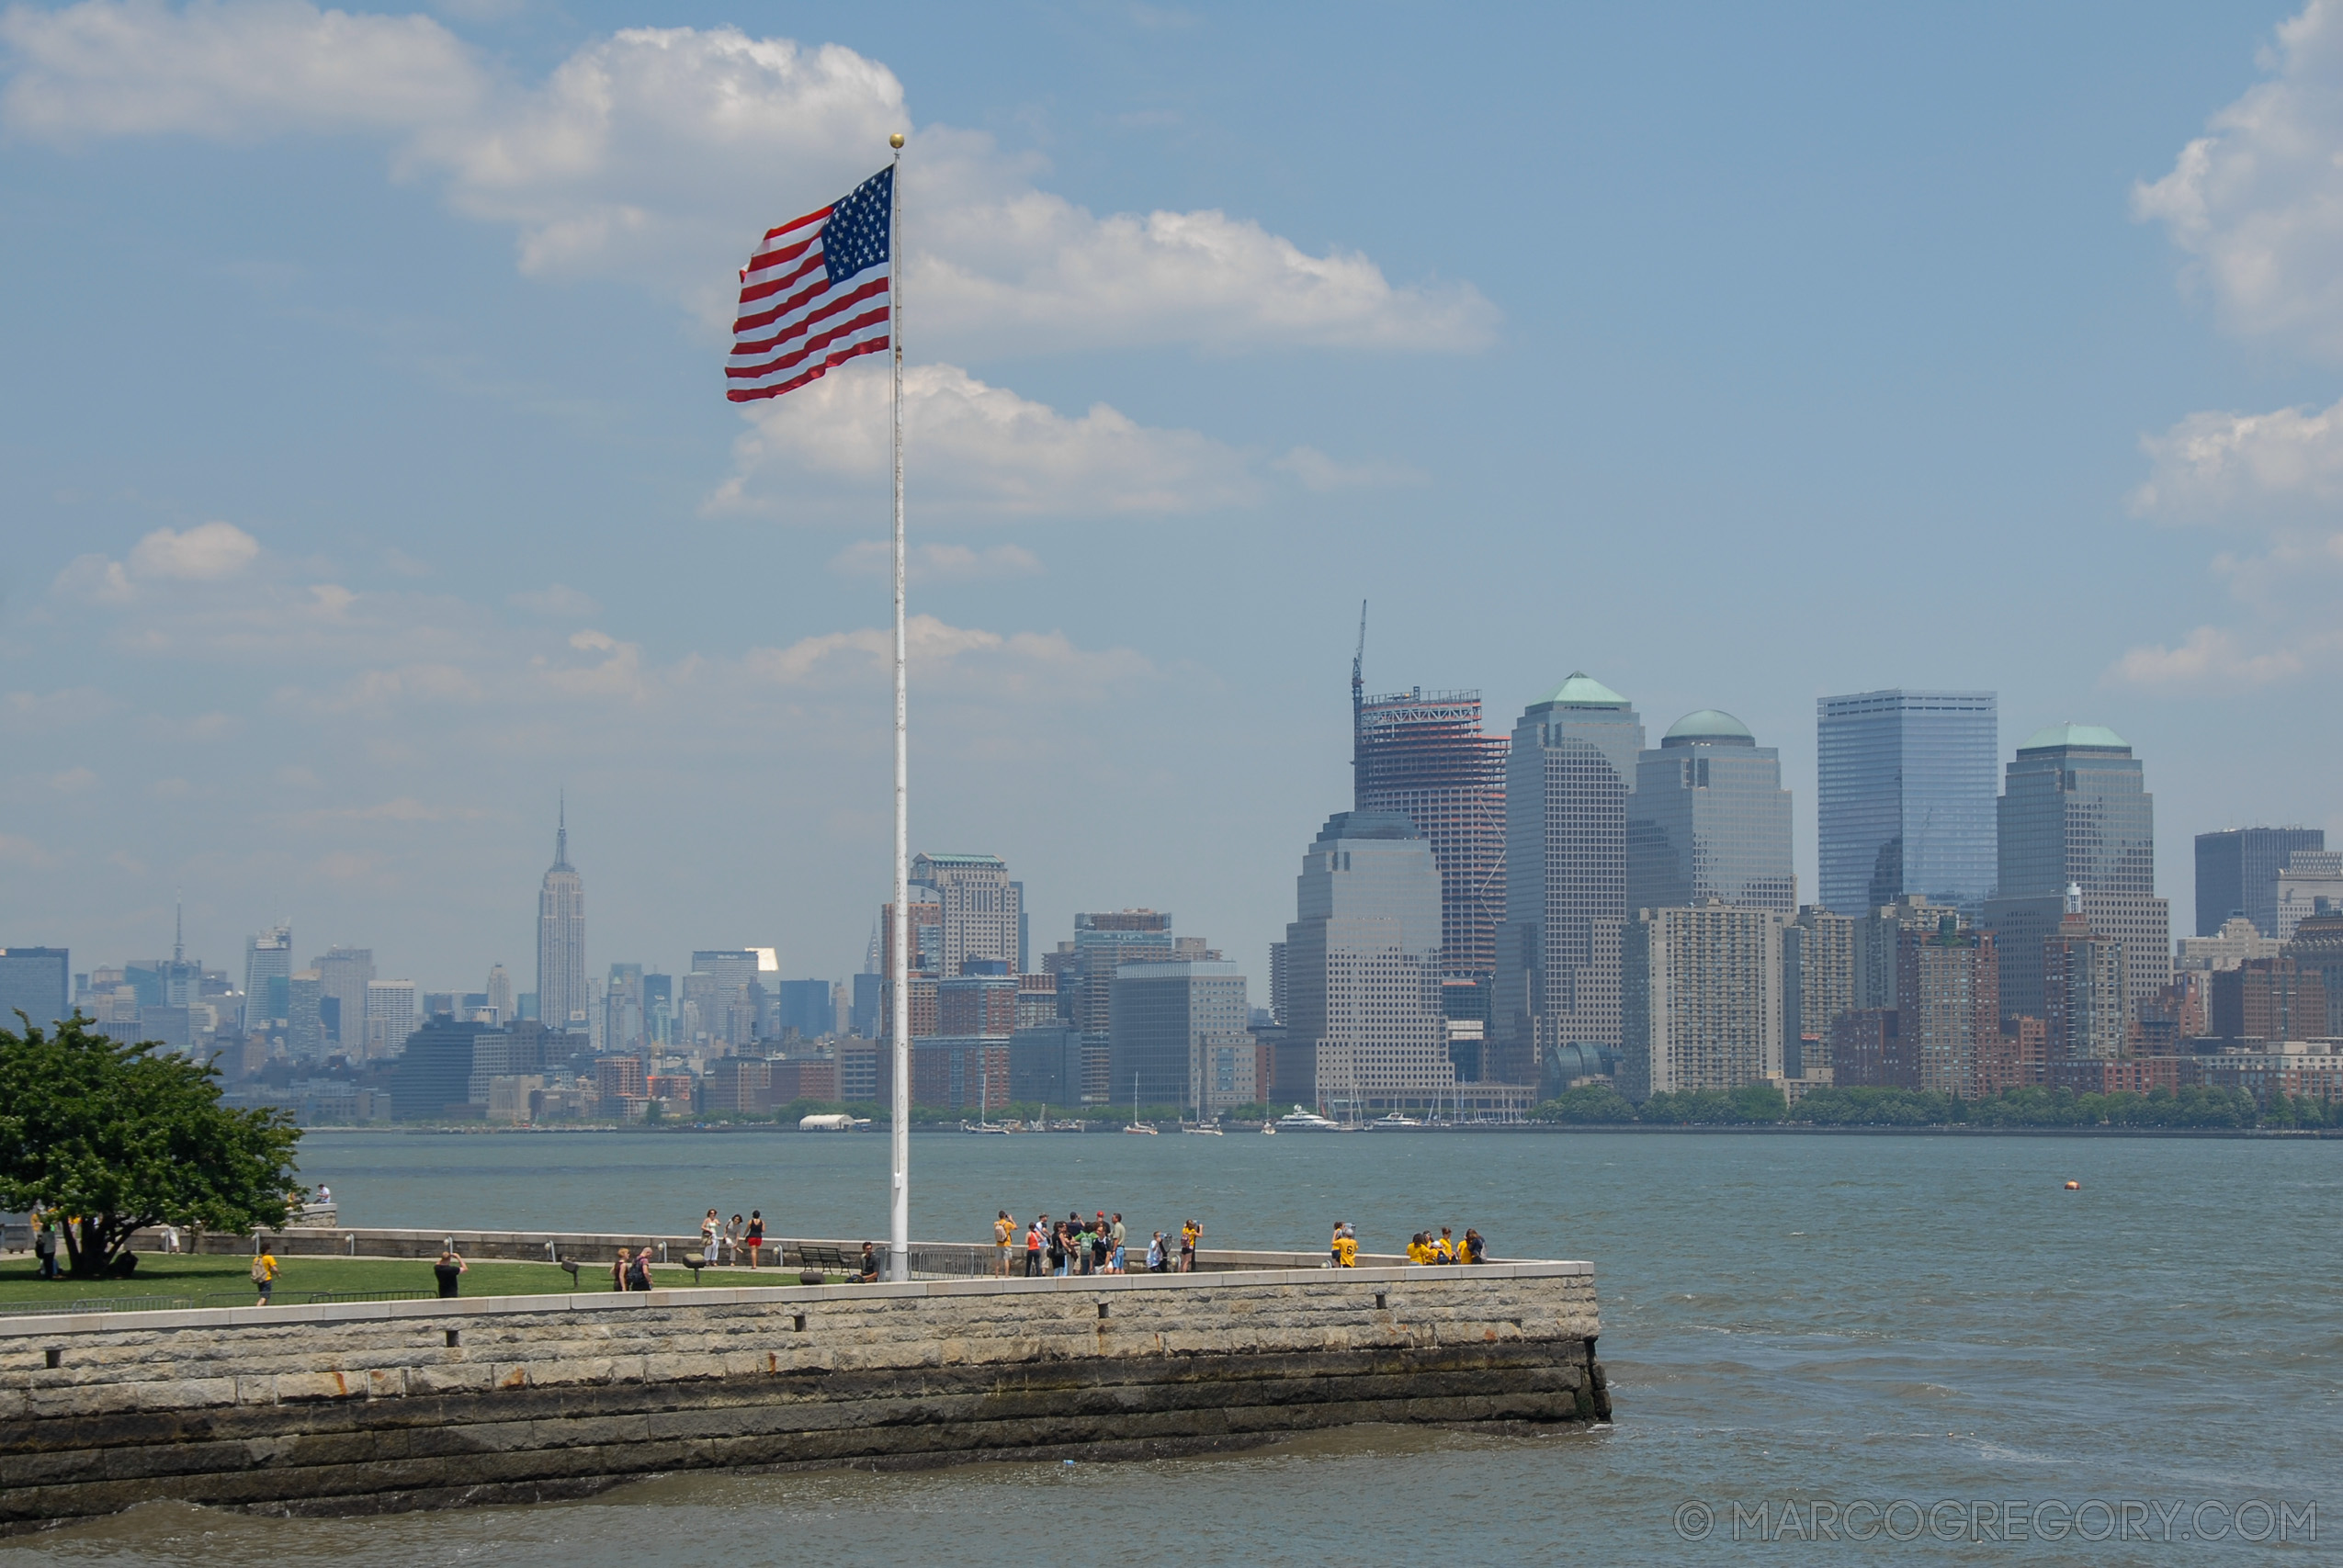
1422	754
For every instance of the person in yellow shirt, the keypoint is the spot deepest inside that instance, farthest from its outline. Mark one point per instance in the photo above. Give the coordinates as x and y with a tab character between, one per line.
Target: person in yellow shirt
1418	1251
263	1272
1444	1249
1346	1249
1002	1229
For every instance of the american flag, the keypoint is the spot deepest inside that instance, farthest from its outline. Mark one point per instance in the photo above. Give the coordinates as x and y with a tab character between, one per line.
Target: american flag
814	295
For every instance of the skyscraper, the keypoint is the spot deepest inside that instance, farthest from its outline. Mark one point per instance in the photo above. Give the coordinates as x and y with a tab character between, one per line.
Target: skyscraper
1163	1016
1365	1030
982	906
33	980
343	974
268	960
1104	942
1422	754
393	1011
1710	820
2083	990
1904	797
2237	872
2077	810
500	995
622	1027
1569	774
1949	1004
560	938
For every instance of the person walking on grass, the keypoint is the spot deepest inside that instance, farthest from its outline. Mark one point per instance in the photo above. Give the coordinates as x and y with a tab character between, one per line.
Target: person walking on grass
264	1274
638	1271
754	1239
618	1268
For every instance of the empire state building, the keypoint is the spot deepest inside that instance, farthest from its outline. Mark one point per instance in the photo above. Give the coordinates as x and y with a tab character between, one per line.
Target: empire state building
561	939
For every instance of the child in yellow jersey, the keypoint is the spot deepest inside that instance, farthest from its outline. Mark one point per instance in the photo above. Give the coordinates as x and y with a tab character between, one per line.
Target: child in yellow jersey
1417	1252
1444	1250
1346	1251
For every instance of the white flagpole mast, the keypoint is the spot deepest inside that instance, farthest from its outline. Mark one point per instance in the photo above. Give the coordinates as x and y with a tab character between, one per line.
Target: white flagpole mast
899	977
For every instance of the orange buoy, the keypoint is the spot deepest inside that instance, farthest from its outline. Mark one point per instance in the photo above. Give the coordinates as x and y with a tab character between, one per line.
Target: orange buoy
2074	1187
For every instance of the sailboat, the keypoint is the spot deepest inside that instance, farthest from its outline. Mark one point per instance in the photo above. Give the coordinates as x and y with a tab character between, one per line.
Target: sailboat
1200	1127
984	1101
1135	1126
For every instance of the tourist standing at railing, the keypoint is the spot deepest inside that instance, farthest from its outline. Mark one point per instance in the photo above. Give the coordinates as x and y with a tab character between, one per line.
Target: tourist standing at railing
1005	1230
1058	1249
731	1238
1190	1234
1033	1250
709	1229
1155	1254
754	1239
449	1271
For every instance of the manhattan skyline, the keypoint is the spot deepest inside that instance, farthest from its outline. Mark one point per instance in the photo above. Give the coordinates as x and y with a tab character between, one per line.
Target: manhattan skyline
389	548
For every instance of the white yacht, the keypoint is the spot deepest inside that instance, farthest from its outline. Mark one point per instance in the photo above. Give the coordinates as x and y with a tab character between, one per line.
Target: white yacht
1392	1123
1301	1121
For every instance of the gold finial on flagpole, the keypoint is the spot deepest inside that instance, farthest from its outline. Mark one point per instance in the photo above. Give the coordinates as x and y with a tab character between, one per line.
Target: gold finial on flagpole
896	141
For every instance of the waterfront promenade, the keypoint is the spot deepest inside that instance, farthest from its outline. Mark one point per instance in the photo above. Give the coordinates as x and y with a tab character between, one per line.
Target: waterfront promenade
370	1406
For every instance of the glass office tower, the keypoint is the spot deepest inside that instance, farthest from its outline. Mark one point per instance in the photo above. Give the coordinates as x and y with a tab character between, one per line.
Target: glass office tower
1904	797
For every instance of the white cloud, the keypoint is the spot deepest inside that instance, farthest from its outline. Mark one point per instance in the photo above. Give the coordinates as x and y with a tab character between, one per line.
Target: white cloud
2259	201
1041	665
1318	472
202	553
558	601
72	781
657	155
978	448
2244	468
2211	657
934	563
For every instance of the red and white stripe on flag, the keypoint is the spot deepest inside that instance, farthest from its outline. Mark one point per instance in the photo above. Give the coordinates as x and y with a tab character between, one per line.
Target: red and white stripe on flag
813	300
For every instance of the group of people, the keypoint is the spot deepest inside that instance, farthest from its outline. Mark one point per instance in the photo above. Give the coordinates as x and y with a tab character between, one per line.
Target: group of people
729	1240
1423	1247
1075	1246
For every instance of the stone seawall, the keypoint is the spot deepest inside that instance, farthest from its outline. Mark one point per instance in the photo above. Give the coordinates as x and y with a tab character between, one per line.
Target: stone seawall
367	1406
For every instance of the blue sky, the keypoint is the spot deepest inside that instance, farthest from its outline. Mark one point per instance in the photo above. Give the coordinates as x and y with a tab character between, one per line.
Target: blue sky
366	477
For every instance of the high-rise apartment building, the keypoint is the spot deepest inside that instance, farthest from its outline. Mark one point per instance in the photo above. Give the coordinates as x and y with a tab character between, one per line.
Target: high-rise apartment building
560	938
1162	1015
981	907
1709	819
268	959
1948	1005
1820	970
305	1037
1904	797
1365	1030
2075	809
34	981
2083	990
2269	999
1569	774
2317	948
2237	872
1701	999
1423	755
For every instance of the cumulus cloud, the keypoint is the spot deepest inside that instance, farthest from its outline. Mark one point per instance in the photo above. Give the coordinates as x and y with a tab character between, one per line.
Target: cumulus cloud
656	155
1045	666
2244	468
556	599
980	448
1318	472
938	563
2210	656
2257	201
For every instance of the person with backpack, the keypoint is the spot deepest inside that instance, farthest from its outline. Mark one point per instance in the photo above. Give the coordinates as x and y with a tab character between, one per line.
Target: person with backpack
44	1246
264	1274
638	1271
1058	1249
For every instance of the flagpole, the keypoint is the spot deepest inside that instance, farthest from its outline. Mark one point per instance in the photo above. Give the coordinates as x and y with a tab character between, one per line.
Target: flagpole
899	1213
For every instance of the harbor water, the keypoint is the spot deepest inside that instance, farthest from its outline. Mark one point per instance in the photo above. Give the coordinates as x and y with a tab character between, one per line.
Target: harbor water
1928	1344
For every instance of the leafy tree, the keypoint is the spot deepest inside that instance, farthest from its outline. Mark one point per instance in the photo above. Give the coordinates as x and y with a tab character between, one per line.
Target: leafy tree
1589	1105
114	1137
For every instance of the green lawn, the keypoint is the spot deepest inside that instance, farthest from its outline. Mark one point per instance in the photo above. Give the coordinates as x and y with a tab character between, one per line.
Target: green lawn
223	1274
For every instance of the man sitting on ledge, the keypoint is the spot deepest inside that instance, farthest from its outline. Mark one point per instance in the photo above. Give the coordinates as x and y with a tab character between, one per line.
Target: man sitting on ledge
870	1264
